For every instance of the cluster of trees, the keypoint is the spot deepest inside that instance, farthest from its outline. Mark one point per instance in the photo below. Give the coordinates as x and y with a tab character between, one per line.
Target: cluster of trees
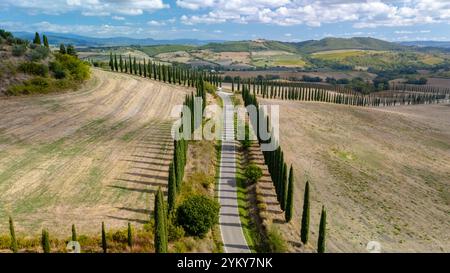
63	71
37	40
419	81
9	38
70	49
283	179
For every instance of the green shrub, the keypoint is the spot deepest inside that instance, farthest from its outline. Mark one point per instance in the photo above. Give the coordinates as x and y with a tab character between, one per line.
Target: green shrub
275	241
210	88
39	53
34	68
58	70
35	85
198	214
78	69
119	236
19	50
253	173
246	143
176	232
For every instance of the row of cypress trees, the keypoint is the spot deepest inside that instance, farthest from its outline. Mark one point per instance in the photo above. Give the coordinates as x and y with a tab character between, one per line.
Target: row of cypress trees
175	180
45	238
284	180
174	74
282	177
339	95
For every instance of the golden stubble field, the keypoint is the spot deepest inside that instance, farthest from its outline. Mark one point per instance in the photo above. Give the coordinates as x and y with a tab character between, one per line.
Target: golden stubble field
84	157
383	174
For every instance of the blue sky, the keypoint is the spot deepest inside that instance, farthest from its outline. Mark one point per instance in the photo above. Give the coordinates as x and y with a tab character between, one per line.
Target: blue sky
287	20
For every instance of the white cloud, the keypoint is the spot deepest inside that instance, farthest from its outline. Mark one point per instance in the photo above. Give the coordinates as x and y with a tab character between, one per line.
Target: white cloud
88	7
118	18
156	23
362	14
161	22
104	30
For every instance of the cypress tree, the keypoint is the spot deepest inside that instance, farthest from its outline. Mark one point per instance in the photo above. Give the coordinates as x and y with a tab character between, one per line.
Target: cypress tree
283	187
135	66
45	242
130	236
160	224
120	63
140	69
74	233
111	61
45	41
305	216
104	243
322	231
131	66
13	235
290	197
62	49
171	195
37	39
145	70
116	66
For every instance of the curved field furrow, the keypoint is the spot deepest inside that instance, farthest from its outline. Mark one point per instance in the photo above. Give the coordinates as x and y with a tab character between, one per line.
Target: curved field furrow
85	157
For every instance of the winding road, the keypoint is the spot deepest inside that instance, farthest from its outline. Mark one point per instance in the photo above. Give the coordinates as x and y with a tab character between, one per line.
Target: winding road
229	221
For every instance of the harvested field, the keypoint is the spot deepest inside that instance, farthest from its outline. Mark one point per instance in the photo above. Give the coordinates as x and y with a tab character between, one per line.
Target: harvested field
382	173
85	157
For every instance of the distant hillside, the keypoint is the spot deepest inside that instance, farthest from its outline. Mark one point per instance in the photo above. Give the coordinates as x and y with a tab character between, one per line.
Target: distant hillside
437	44
305	47
84	41
248	46
341	43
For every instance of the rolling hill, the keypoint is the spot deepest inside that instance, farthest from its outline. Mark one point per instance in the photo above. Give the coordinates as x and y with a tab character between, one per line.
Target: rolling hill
84	41
305	47
366	43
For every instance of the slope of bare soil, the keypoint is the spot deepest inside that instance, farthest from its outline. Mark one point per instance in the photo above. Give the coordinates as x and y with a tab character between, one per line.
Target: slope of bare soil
383	174
86	157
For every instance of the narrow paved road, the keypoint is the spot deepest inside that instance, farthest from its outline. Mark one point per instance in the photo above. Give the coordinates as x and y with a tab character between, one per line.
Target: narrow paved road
230	223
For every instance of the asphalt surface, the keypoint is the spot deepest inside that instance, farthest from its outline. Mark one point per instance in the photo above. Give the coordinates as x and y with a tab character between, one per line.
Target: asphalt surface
229	221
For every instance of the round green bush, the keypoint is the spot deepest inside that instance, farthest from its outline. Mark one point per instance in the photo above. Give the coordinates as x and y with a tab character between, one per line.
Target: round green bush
253	173
198	214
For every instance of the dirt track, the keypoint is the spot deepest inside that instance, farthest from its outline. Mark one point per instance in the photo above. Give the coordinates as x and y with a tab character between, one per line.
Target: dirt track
382	173
85	157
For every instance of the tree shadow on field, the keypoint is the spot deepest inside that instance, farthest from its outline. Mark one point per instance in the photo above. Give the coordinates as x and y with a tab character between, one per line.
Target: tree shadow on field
165	164
140	221
142	211
156	184
133	189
